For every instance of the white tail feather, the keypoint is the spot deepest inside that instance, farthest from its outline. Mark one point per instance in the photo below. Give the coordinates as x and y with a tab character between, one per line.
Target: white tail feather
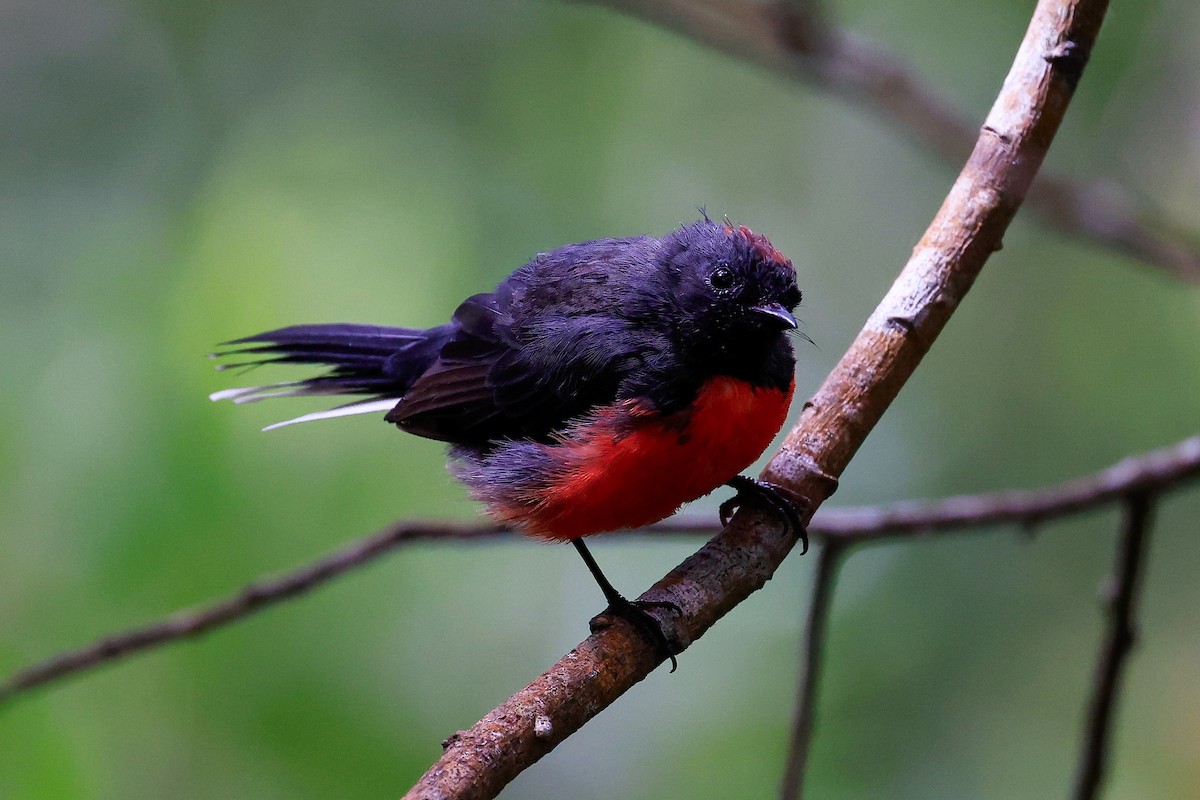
263	394
252	394
233	394
365	407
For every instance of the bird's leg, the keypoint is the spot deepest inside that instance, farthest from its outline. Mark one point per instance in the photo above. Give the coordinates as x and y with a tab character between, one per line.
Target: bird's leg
775	498
632	610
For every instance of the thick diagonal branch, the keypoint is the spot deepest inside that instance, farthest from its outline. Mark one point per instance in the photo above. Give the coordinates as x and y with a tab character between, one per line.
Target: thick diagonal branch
479	762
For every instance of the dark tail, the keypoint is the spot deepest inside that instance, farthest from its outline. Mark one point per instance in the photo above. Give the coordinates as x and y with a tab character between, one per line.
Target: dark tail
379	362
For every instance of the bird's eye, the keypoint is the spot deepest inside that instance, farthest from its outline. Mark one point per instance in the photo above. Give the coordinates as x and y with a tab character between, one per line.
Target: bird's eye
721	279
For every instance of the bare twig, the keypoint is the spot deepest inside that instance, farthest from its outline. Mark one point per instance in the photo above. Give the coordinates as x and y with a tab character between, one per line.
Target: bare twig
813	652
793	40
1159	470
479	762
1122	634
191	623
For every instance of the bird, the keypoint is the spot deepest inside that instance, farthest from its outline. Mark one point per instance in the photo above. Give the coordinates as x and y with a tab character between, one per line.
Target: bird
600	386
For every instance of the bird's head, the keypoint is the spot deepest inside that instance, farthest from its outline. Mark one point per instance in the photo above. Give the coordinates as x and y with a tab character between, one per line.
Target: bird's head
734	292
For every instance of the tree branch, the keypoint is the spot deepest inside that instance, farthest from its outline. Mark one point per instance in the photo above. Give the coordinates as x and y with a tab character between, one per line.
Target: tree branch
813	652
1159	471
191	623
479	762
1122	635
793	40
1156	471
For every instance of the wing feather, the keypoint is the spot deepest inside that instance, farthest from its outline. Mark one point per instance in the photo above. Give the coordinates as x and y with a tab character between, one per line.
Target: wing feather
513	370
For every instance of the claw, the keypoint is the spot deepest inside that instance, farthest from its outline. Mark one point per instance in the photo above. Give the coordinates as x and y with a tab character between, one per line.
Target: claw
632	610
635	612
775	498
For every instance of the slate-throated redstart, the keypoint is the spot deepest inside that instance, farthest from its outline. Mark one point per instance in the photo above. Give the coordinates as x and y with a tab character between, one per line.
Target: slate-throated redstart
599	387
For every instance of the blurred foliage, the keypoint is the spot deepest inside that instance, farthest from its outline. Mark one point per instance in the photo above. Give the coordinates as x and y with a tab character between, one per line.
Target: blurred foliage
176	174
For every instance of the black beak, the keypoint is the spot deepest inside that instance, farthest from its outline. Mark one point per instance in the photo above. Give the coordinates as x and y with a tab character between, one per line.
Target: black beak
774	314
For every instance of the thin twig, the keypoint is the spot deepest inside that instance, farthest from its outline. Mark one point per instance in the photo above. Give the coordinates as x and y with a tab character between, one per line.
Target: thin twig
1159	470
481	761
798	44
257	596
1122	635
813	652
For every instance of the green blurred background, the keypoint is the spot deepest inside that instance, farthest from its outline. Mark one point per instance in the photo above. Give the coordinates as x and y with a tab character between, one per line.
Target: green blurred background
175	174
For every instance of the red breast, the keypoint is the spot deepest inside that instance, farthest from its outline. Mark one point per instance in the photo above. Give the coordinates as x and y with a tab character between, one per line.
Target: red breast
624	467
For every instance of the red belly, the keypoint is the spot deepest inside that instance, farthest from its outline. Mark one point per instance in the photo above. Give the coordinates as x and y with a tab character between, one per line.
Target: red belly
626	468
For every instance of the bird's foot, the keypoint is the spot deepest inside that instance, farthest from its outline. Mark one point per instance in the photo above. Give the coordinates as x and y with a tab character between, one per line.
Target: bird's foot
772	497
637	613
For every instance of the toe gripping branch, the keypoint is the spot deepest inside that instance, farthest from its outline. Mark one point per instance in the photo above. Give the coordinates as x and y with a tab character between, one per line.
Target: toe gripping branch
771	498
636	612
